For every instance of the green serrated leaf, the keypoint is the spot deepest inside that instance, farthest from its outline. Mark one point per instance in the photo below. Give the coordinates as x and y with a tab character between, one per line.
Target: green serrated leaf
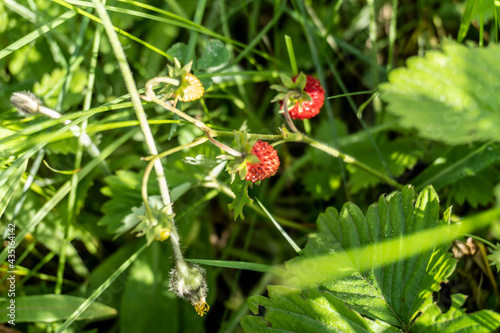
240	190
455	319
288	310
457	163
382	284
494	257
476	190
448	95
51	308
214	54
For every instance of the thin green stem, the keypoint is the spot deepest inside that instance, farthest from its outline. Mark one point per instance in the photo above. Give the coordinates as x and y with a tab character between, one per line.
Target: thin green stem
347	159
288	118
193	34
372	31
149	167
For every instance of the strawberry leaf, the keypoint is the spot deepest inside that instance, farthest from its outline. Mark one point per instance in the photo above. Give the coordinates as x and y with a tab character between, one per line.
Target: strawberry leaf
494	257
461	161
240	190
455	319
289	311
386	287
448	95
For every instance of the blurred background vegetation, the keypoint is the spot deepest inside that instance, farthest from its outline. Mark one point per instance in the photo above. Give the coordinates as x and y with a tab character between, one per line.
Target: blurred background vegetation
47	47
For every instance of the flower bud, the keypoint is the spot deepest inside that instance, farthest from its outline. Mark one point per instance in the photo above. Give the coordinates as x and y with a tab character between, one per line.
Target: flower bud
26	102
188	282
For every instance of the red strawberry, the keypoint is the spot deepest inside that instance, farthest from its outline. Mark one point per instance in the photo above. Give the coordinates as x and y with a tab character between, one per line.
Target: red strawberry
269	162
309	99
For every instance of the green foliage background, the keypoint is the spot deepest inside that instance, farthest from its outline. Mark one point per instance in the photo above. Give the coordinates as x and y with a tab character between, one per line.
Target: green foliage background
412	94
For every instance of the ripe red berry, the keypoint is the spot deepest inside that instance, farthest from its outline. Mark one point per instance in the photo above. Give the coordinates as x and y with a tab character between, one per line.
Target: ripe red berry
309	108
269	162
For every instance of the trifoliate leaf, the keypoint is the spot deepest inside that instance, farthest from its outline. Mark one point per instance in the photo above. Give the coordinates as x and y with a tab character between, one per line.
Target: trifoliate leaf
240	190
448	95
214	54
455	319
178	50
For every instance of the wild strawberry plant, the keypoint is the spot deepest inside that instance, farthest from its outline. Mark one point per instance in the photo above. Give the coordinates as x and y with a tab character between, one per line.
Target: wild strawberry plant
139	173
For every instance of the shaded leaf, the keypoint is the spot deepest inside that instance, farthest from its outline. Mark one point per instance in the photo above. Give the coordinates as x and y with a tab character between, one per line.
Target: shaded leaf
399	155
50	308
455	319
457	163
214	54
476	190
178	50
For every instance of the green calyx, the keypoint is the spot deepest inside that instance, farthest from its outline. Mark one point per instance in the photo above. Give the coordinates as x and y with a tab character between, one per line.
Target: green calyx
294	90
239	165
155	224
179	73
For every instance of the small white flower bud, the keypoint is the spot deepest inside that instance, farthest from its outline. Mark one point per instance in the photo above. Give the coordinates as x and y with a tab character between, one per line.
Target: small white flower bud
26	102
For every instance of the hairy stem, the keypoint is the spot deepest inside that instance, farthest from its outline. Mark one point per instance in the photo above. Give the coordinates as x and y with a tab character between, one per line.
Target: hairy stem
141	116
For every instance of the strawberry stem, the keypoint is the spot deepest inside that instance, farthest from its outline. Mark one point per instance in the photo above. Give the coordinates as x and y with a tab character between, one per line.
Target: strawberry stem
151	96
288	118
224	147
346	158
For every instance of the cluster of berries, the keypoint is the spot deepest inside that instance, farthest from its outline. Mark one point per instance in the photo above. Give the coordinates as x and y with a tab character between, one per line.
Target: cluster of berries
304	96
306	103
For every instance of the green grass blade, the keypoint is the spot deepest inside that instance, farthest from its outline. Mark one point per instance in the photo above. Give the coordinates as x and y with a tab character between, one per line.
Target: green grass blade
64	190
10	185
51	308
249	266
280	229
466	19
35	34
89	301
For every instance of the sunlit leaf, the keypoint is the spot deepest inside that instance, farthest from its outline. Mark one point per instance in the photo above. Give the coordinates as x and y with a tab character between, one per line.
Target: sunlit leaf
448	95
